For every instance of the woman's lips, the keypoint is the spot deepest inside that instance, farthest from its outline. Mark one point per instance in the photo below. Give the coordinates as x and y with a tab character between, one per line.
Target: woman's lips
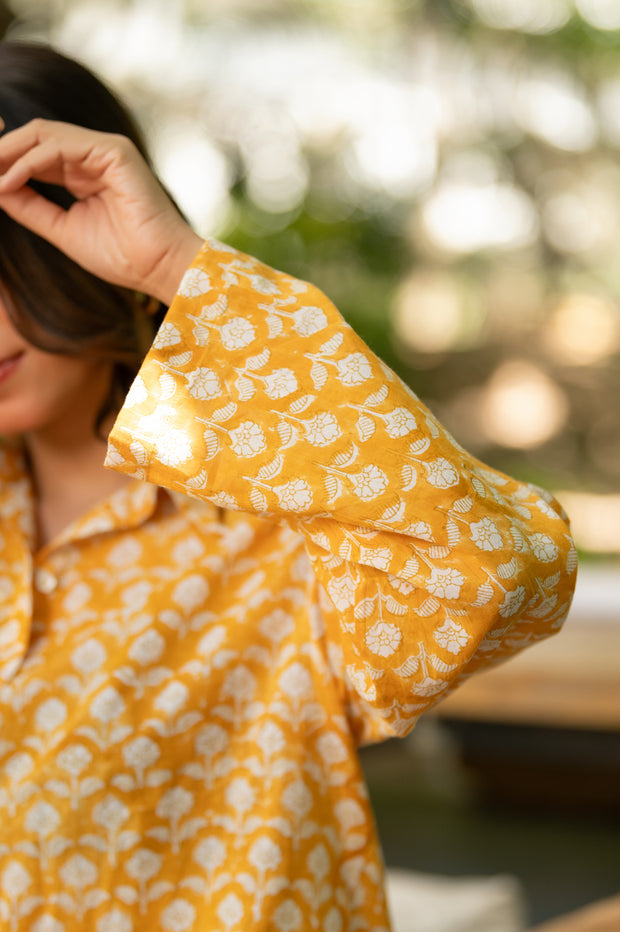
9	365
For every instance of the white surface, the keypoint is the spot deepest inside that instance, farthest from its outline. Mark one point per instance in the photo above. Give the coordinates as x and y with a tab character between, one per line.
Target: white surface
597	594
431	903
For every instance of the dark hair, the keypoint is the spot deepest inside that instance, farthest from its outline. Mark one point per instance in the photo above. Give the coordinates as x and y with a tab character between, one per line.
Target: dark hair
53	302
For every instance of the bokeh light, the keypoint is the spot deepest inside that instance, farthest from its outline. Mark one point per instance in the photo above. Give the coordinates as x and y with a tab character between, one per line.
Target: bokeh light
603	14
534	16
583	330
428	315
522	406
466	218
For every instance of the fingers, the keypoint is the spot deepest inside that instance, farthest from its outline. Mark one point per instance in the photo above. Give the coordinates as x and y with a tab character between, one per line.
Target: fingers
33	211
44	163
47	150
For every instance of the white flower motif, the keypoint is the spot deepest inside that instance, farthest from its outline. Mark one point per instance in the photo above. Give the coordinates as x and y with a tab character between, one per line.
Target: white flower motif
239	684
143	865
136	596
421	530
114	921
332	748
125	553
137	393
19	766
379	558
322	429
265	855
237	333
400	422
333	921
544	548
383	639
297	798
175	803
295	495
240	795
277	625
147	648
361	684
203	383
178	916
485	535
446	583
451	636
172	698
270	739
167	335
369	483
354	369
287	916
15	879
309	320
89	656
9	633
212	739
78	872
194	283
350	814
50	714
248	439
342	592
188	549
295	681
140	753
230	911
319	862
74	759
441	473
111	813
191	592
210	853
107	705
42	819
47	923
280	383
173	447
513	601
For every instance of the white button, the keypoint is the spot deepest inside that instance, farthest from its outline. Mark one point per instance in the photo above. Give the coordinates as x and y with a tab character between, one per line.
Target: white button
45	581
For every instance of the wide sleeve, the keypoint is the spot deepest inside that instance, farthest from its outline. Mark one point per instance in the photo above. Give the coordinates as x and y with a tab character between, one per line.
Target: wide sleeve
256	395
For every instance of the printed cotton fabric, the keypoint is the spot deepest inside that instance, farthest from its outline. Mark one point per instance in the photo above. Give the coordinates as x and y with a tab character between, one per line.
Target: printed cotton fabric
304	560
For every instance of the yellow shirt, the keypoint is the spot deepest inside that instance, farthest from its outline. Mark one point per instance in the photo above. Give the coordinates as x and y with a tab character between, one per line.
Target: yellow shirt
187	670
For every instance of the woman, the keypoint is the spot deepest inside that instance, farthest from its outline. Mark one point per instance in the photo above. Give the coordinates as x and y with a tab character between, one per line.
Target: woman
287	557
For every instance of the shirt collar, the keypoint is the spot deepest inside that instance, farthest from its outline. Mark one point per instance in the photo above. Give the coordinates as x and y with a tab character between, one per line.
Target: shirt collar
128	507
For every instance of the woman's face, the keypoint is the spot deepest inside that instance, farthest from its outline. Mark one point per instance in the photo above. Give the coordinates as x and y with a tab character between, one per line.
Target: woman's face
42	392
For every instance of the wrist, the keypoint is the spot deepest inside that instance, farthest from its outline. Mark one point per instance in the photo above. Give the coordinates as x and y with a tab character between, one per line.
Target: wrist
174	264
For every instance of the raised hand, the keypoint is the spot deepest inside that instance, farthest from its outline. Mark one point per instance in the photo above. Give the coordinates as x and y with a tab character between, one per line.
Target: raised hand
122	227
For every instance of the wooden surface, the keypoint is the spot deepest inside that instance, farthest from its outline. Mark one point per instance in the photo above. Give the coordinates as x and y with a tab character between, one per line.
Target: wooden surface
600	917
572	680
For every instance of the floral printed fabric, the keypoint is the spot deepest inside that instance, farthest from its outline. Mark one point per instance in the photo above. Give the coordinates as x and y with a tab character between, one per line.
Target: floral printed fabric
187	670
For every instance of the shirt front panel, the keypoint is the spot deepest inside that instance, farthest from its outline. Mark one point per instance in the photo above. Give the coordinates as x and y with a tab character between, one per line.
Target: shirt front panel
175	752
